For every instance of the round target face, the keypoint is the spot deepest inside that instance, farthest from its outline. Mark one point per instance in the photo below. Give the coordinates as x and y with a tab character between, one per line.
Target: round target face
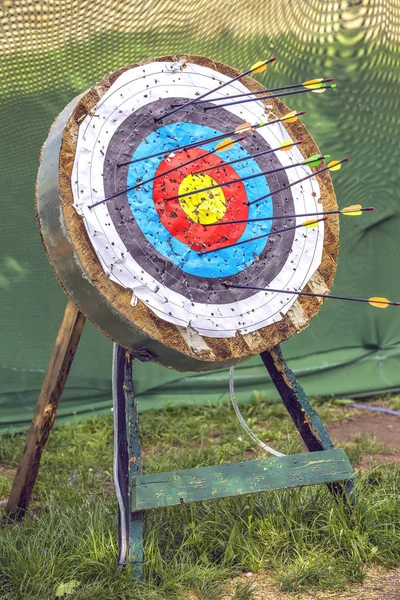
173	214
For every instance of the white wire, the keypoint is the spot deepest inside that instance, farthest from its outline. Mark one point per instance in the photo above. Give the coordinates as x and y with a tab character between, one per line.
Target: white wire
243	422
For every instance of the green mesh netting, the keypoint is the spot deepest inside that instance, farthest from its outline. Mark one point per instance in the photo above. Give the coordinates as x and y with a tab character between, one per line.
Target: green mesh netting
51	51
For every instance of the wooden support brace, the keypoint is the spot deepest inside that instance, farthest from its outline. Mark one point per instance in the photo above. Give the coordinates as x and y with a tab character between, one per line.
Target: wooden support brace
53	385
237	479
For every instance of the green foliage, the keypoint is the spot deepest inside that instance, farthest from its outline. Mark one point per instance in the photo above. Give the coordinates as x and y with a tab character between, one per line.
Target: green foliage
303	536
244	590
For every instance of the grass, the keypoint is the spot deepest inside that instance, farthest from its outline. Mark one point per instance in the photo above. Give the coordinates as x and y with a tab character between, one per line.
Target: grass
302	537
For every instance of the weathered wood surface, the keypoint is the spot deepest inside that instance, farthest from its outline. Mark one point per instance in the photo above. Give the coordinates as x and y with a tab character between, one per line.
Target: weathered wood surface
134	467
306	419
53	385
237	479
121	460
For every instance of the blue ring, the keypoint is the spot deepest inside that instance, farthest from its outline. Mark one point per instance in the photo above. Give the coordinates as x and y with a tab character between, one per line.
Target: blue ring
220	263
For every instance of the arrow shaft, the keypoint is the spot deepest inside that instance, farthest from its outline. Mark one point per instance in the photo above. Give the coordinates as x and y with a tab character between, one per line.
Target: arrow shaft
209	140
292	184
311	294
327	212
233	181
187	146
185	164
232	162
259	237
222	85
206	141
280	95
263	91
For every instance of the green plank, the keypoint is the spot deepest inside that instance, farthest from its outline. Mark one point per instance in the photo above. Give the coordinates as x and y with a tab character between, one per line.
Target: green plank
236	479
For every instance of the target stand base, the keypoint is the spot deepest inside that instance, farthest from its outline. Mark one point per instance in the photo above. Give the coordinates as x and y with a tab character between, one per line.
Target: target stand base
139	493
237	479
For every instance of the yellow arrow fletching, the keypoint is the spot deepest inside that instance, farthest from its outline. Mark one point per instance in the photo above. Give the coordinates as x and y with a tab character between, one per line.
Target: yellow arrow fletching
290	117
285	146
353	210
334	165
244	127
378	302
316	85
312	83
225	145
310	224
258	67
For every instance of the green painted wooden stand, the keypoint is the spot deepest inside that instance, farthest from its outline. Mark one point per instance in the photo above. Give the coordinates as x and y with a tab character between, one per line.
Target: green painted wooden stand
139	493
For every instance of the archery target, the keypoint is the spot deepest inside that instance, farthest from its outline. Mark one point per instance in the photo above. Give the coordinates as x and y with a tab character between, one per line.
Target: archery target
163	238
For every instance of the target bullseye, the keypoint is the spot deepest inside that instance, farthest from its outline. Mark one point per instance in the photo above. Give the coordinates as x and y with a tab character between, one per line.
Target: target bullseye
199	207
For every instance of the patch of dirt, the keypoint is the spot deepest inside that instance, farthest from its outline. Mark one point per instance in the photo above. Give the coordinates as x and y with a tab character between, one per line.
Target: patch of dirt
369	461
386	428
380	584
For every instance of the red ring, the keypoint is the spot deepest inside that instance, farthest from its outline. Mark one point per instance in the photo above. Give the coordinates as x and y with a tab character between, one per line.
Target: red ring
174	218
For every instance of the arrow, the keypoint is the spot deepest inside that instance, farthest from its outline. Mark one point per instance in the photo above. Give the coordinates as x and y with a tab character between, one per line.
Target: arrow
376	301
316	159
285	146
279	95
354	210
221	147
334	165
244	128
258	67
318	83
307	224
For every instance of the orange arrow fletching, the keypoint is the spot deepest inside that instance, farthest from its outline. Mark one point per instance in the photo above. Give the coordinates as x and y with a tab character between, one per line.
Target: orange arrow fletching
378	302
353	210
334	165
244	127
258	67
285	146
225	145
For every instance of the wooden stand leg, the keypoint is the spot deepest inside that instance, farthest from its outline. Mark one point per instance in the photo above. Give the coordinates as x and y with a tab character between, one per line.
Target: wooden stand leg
127	461
45	413
307	421
121	466
135	468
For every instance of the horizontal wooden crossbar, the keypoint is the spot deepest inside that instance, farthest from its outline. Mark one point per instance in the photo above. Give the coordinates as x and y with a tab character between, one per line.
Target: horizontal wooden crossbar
237	479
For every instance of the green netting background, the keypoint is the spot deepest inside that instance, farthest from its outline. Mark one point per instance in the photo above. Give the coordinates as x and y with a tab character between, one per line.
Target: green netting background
51	51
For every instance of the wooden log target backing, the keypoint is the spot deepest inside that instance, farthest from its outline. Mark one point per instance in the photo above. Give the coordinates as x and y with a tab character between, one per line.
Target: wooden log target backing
152	270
